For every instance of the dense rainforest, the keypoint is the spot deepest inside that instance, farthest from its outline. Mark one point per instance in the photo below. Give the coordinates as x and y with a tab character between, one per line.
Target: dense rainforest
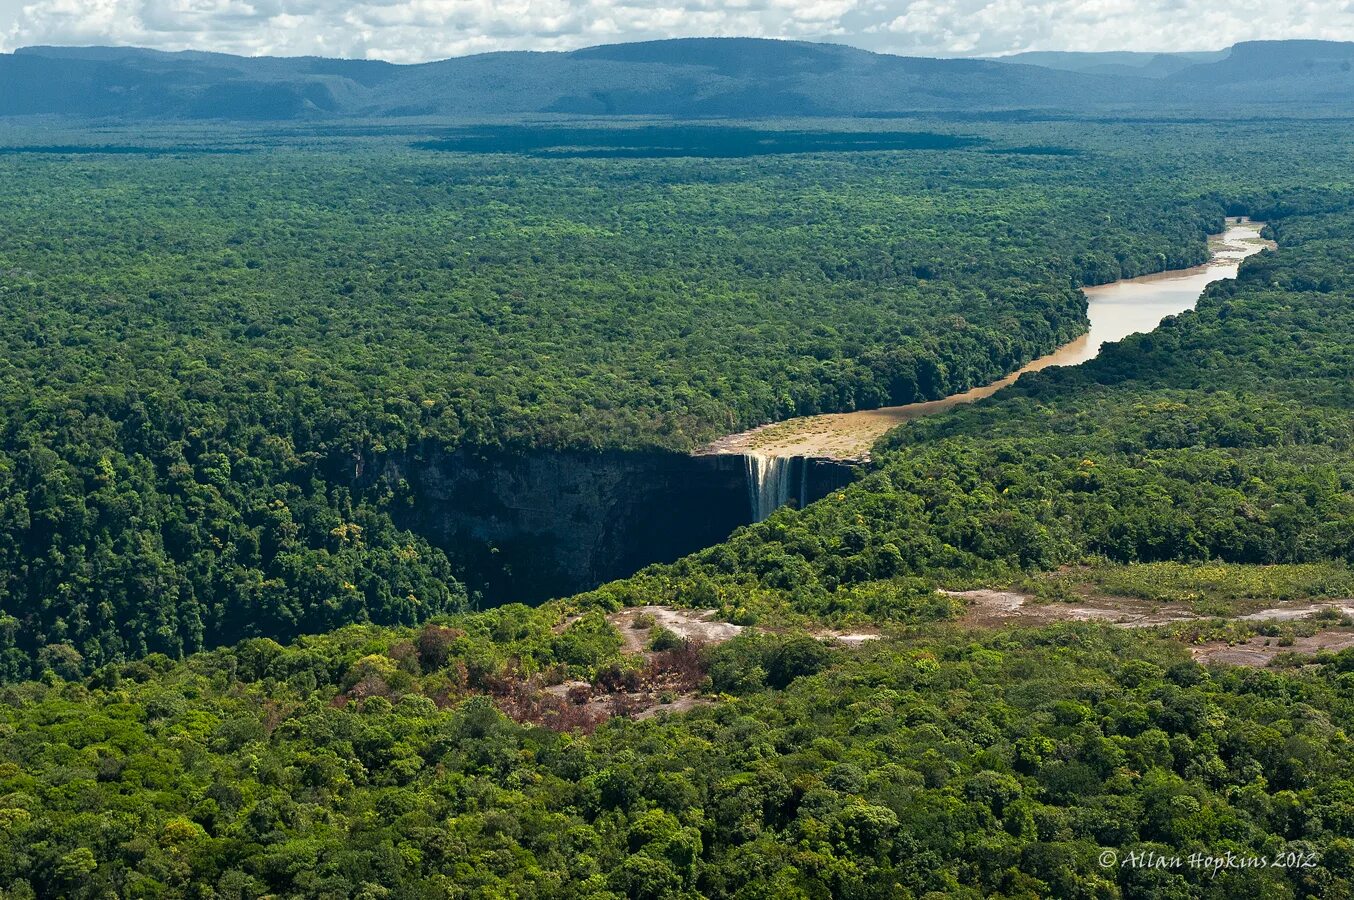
206	356
373	764
203	353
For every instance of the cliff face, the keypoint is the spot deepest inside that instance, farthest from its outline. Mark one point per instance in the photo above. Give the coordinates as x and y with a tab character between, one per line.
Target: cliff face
528	527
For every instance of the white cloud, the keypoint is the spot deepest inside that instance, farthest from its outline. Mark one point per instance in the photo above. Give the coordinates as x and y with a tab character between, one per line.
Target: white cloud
418	30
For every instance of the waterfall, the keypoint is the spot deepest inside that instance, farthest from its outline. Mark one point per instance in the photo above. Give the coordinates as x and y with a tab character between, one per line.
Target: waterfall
769	479
773	481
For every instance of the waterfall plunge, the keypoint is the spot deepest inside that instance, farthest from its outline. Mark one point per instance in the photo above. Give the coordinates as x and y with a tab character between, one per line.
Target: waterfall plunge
770	480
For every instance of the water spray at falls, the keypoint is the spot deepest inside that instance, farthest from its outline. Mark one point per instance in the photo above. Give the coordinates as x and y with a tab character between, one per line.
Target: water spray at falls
772	480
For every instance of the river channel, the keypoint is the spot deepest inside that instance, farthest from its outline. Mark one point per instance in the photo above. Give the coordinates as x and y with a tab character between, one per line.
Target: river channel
1115	311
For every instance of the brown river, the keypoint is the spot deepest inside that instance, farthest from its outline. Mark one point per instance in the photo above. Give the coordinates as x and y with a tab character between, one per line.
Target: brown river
1115	311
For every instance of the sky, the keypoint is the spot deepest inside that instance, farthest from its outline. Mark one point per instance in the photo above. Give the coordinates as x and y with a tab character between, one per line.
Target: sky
419	30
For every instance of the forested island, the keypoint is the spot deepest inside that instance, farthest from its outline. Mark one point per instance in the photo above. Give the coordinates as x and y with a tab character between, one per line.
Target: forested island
282	401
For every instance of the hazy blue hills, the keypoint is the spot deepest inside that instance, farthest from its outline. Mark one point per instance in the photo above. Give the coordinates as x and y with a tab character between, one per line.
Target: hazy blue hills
696	77
1143	65
704	77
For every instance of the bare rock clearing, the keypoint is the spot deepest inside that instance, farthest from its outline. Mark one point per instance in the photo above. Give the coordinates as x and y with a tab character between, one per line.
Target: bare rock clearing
637	625
1262	650
994	608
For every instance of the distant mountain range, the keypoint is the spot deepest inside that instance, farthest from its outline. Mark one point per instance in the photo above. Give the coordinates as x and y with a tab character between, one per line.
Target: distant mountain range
1143	65
692	78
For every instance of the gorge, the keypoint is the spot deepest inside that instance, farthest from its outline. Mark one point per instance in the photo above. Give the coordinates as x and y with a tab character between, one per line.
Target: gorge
526	527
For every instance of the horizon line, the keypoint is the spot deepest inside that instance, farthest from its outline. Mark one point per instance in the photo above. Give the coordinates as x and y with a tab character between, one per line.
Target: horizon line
821	43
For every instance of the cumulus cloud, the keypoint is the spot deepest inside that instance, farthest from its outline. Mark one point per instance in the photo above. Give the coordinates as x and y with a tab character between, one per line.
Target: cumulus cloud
419	30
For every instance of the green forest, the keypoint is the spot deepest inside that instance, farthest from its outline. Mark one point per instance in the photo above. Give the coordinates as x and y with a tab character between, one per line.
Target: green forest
227	672
204	352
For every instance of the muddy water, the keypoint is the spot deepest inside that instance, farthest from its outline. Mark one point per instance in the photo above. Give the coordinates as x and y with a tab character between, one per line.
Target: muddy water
1127	307
1115	311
